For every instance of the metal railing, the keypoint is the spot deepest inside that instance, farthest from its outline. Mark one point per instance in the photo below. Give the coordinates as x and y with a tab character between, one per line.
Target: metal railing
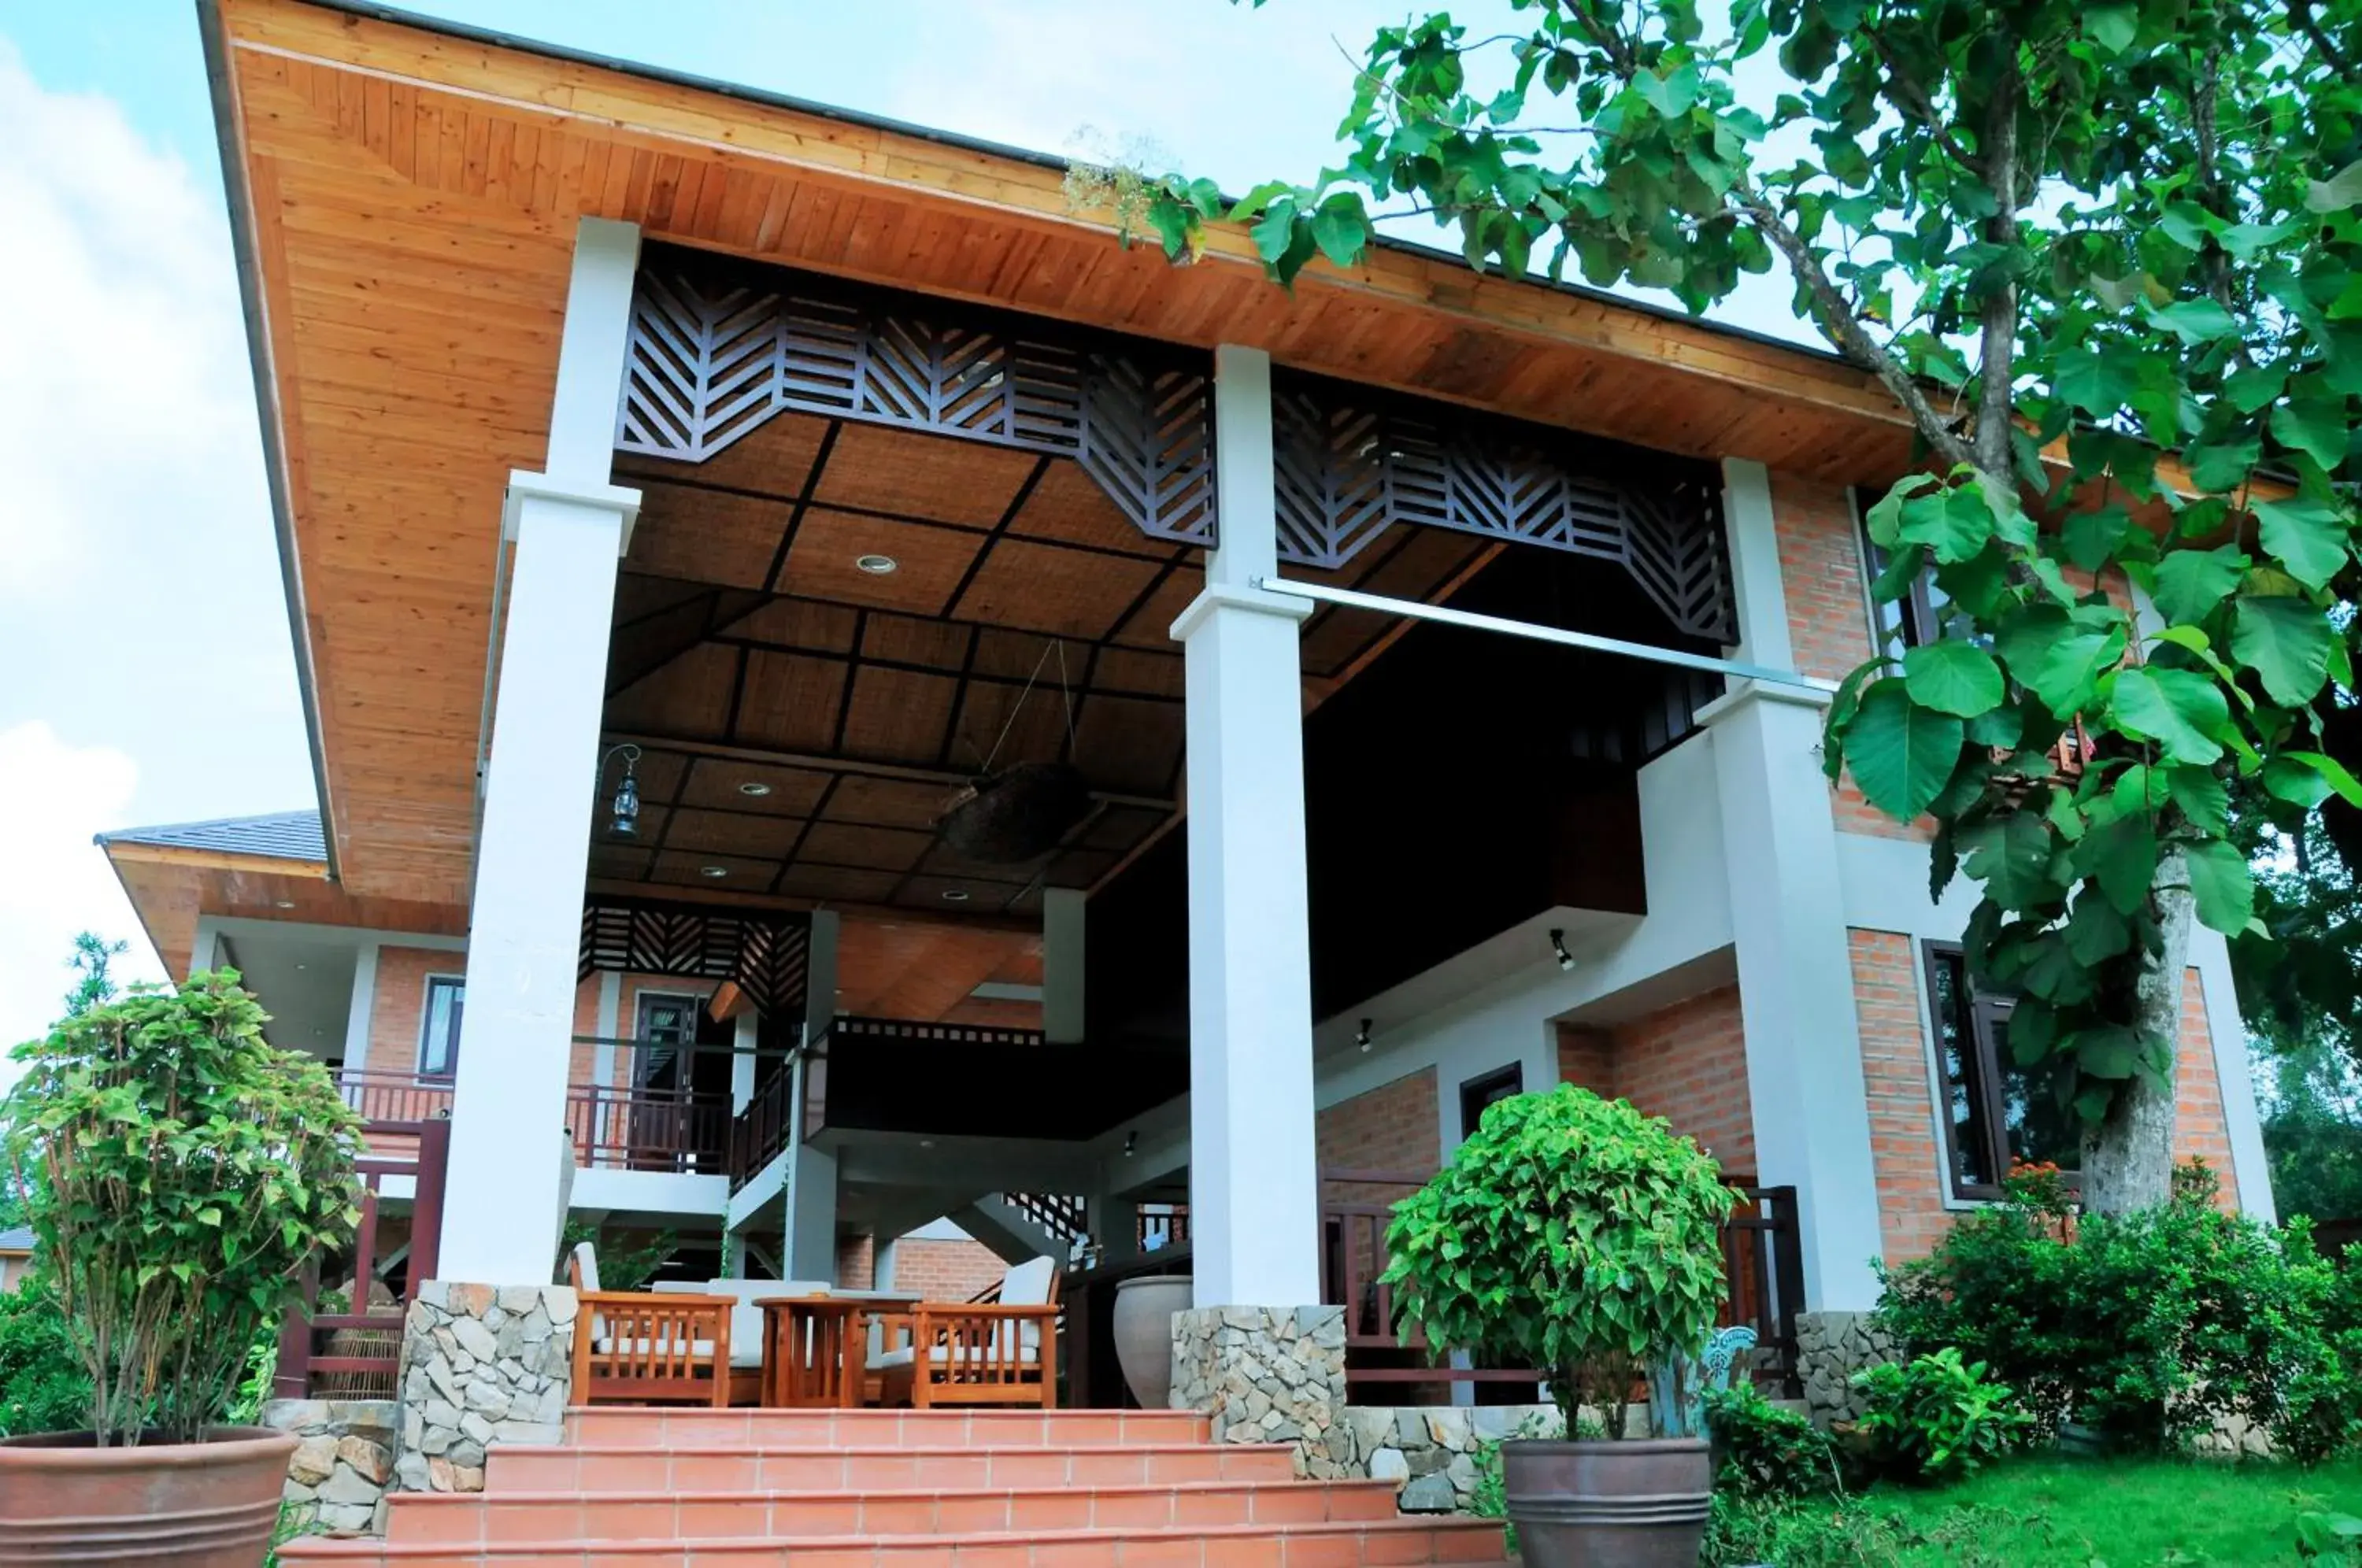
1061	1217
1762	1264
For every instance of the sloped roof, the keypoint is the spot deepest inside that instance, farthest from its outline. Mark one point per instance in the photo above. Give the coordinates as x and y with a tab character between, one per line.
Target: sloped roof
17	1240
283	836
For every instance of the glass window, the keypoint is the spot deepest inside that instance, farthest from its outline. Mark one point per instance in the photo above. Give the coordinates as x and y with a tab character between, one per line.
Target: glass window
1918	618
1996	1113
1478	1093
438	1030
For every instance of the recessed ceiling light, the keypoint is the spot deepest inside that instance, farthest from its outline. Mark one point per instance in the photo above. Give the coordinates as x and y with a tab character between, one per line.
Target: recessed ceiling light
955	895
713	871
282	903
758	790
876	566
302	966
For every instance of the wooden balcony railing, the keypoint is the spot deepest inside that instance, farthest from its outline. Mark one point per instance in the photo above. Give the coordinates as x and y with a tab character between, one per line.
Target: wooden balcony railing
760	1133
1762	1263
1157	1226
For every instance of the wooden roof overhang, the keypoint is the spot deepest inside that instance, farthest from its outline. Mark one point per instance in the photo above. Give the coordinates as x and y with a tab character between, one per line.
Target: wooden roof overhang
404	196
170	885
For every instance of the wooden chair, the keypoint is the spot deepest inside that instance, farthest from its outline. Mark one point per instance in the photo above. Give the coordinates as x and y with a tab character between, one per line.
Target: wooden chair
634	1348
999	1349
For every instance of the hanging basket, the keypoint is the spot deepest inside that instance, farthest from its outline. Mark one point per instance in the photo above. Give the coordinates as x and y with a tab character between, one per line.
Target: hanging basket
1015	816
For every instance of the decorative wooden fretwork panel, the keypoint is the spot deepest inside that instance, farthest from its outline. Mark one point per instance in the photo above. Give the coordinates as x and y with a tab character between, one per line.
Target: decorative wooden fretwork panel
1351	461
718	349
766	953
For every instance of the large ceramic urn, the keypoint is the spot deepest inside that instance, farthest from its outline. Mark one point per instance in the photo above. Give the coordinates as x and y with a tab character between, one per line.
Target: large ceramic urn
1143	1334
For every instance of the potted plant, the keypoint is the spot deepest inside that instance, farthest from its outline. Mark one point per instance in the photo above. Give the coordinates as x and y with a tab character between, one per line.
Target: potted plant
180	1171
1576	1236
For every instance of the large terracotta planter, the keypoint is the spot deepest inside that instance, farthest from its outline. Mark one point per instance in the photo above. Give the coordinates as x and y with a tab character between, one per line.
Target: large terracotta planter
1609	1505
188	1505
1143	1334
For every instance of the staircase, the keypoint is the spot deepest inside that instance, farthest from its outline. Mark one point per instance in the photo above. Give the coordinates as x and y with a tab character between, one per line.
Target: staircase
904	1490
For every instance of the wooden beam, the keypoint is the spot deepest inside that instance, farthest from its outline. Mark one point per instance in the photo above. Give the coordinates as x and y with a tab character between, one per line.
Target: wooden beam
216	860
854	767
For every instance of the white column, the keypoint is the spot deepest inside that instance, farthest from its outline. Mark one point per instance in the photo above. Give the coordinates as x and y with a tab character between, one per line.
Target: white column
204	947
1254	1210
1795	966
569	527
608	1028
742	1065
811	1202
1061	965
363	1008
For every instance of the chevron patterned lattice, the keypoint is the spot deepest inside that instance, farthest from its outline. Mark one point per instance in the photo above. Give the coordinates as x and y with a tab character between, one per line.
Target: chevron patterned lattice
717	349
767	953
1350	460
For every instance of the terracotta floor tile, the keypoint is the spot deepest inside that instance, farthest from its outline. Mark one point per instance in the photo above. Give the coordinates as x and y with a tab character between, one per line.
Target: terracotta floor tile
1482	1544
424	1523
815	1516
803	1473
1048	1468
728	1430
645	1519
1229	1506
1301	1503
1014	1555
962	1515
1113	1468
553	1521
1341	1549
1161	1552
714	1519
1389	1547
883	1514
1244	1552
1073	1554
1131	1510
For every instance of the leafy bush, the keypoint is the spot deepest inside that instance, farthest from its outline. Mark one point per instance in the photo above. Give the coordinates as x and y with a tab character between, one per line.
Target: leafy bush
1838	1533
1569	1233
621	1267
1764	1451
1936	1417
182	1171
43	1386
2149	1326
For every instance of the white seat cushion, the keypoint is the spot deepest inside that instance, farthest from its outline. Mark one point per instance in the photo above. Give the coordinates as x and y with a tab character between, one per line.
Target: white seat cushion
1027	1355
699	1351
586	1261
1027	1284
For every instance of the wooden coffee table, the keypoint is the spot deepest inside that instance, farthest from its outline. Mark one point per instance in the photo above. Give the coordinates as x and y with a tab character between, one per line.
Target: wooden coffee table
816	1348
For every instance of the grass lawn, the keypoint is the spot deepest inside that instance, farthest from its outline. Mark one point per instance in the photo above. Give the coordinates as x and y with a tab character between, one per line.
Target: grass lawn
2124	1513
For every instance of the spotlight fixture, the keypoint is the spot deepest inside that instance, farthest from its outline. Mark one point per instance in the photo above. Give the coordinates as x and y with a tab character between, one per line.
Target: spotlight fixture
757	790
716	872
876	566
1361	1037
1558	945
623	813
1131	1145
955	895
282	903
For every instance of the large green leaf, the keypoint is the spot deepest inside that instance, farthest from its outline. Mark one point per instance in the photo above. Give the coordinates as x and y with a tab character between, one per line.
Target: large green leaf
2307	536
2336	194
2011	856
2287	643
2191	582
2317	427
2121	856
2180	712
2058	657
1952	677
2222	884
1901	754
2196	321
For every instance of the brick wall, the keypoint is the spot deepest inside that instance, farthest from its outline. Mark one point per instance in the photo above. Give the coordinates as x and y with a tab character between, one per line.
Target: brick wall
954	1269
1912	1169
1687	1062
1825	575
856	1263
1390	1128
398	999
2198	1126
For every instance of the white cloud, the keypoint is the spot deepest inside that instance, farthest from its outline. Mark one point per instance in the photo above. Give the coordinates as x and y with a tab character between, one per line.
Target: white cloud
58	882
143	640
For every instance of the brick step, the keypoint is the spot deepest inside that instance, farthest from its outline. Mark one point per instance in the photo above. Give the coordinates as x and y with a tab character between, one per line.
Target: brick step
884	1428
602	1469
703	1515
1376	1543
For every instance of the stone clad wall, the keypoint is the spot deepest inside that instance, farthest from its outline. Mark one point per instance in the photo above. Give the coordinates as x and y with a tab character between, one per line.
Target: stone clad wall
1430	1451
1831	1348
1268	1375
340	1473
481	1366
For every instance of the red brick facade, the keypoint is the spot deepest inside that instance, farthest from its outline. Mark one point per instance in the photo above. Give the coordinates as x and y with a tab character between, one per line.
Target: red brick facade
953	1269
398	1000
856	1263
1912	1178
1390	1128
1687	1062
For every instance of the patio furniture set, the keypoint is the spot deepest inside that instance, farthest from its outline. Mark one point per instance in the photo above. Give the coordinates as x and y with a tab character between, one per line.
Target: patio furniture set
803	1344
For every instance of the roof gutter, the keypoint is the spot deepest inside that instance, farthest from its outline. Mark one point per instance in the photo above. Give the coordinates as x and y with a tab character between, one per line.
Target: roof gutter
240	200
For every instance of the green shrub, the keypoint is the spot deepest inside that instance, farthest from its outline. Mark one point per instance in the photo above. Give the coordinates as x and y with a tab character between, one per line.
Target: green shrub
182	1171
1840	1532
2149	1325
43	1386
1936	1417
1569	1233
1764	1451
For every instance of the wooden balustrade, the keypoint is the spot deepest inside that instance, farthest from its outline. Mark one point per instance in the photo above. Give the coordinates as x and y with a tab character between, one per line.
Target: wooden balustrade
355	1353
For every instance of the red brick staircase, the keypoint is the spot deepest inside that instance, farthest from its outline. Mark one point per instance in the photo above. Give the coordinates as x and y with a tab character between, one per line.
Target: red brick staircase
646	1489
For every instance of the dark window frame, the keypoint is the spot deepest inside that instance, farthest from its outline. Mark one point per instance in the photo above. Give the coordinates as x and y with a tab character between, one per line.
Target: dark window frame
457	985
1984	1067
1479	1093
1912	620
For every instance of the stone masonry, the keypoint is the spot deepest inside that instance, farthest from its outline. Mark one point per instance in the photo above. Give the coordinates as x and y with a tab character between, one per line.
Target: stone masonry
1831	1348
1268	1375
338	1479
1430	1451
481	1366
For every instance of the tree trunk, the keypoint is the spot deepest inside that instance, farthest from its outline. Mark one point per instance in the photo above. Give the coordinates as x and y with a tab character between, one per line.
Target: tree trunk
2128	1158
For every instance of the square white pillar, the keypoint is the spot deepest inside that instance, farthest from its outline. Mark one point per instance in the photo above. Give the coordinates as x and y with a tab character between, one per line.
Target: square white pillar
1254	1205
1061	965
569	525
361	1010
1795	965
810	1198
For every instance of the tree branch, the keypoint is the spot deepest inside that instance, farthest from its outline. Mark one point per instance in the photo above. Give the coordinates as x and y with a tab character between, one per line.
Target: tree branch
1844	329
1904	90
2301	13
1997	333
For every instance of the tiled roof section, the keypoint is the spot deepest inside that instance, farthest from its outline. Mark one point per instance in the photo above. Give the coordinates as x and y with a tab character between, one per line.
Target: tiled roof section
20	1240
283	836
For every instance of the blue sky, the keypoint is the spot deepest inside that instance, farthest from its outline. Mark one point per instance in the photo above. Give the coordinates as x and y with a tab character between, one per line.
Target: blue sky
145	666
